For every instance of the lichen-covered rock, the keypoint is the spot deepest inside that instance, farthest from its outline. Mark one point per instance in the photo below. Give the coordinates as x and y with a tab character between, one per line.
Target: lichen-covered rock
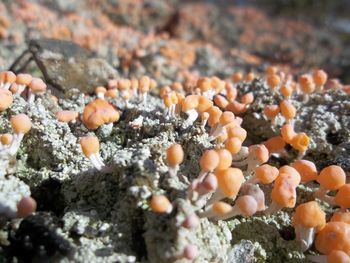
12	190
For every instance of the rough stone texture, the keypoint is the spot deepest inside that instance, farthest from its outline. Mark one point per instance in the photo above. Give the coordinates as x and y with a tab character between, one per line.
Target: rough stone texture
12	190
66	66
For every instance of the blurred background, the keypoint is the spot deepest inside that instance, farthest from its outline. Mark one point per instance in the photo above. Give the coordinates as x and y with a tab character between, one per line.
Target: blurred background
246	35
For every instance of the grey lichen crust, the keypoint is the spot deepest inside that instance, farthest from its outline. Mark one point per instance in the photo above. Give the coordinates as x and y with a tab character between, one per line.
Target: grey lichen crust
106	218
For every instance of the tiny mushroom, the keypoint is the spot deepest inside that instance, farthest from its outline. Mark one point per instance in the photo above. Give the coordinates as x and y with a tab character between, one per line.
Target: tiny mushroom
26	207
271	112
21	125
6	99
91	147
36	86
229	183
175	156
320	78
308	219
306	169
288	110
7	78
67	116
264	174
160	204
22	81
330	178
98	113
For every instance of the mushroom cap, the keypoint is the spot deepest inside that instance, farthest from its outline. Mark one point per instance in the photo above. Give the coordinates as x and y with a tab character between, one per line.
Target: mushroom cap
306	83
287	133
237	77
164	91
287	109
210	182
273	80
217	84
175	155
274	144
230	181
204	84
177	86
271	70
37	85
233	145
293	173
112	84
320	77
124	84
300	142
250	77
338	256
286	90
236	107
99	112
209	160
13	88
247	204
21	123
214	116
144	84
305	79
309	215
266	173
342	197
332	177
334	236
220	101
23	79
238	132
259	153
271	111
341	217
247	98
254	191
221	208
190	102
6	99
112	93
26	207
6	139
190	222
231	92
226	118
306	169
67	115
204	104
90	145
225	159
160	204
190	252
7	77
153	84
284	193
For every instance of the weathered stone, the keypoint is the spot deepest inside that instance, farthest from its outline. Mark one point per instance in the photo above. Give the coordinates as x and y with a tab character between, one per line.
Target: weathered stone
65	65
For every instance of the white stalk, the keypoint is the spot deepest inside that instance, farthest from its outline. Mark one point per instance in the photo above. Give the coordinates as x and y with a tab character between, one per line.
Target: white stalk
192	115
